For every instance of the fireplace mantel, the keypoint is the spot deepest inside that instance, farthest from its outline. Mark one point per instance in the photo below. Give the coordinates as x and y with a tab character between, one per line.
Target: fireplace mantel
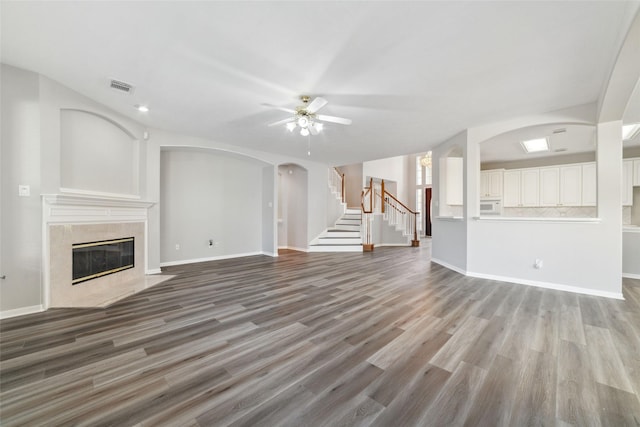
80	208
76	218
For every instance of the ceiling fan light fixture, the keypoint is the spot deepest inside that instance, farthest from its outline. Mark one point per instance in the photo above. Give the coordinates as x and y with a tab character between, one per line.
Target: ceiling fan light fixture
303	121
291	126
318	126
304	132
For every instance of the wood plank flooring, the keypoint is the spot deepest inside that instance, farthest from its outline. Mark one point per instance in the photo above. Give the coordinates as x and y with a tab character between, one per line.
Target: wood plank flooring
384	338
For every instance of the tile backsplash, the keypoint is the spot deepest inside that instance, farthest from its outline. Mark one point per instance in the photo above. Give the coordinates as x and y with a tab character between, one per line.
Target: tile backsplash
554	212
563	212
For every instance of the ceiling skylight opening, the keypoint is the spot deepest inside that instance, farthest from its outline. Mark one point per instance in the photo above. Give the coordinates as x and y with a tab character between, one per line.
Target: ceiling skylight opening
142	108
630	131
537	145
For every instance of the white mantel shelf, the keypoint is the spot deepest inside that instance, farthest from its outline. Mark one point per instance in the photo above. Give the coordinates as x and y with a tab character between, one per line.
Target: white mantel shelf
81	208
89	200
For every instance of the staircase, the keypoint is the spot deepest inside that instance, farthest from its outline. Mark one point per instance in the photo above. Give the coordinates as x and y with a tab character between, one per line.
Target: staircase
343	237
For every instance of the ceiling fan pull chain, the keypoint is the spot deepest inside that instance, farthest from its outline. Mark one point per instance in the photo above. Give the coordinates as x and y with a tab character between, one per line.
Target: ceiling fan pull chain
309	145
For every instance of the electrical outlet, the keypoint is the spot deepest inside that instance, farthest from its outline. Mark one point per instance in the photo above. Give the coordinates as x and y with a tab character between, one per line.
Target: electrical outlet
538	264
177	246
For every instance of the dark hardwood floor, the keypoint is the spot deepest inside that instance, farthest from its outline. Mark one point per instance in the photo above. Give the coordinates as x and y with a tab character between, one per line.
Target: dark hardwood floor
384	338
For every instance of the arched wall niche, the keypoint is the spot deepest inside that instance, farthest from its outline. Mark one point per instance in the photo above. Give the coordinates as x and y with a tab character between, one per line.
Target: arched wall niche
214	204
98	155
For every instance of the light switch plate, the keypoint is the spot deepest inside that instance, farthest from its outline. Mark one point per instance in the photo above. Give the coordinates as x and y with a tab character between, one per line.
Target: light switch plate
24	190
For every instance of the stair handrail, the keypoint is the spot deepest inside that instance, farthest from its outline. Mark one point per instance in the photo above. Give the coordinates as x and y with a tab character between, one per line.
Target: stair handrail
367	193
337	181
366	198
398	213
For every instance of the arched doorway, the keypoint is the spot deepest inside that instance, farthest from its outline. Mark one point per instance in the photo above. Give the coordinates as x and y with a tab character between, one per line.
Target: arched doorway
292	207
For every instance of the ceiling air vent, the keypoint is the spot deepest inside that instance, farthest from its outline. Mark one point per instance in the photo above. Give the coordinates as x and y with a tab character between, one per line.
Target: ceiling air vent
121	86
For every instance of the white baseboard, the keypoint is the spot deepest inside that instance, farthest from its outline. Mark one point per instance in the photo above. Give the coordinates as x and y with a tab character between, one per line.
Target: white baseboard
539	284
214	258
449	266
154	271
271	254
392	244
630	276
21	311
548	285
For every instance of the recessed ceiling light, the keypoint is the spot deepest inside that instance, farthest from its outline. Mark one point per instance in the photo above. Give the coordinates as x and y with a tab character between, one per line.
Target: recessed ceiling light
535	145
630	131
142	108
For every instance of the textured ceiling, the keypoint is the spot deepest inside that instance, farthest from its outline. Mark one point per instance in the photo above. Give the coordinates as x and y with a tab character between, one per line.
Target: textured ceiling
409	74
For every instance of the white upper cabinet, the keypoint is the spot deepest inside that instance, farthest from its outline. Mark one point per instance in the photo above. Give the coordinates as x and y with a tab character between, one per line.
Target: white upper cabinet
491	183
512	184
521	188
636	172
627	183
589	184
571	185
549	186
530	189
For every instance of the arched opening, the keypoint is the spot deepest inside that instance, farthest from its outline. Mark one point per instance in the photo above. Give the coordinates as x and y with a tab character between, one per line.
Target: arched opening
546	170
292	207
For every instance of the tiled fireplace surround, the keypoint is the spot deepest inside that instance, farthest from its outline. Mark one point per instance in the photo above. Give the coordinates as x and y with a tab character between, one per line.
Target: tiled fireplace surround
70	219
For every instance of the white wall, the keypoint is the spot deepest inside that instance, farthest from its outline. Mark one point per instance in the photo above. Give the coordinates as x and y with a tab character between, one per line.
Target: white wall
209	196
21	219
580	256
449	236
394	169
353	184
269	203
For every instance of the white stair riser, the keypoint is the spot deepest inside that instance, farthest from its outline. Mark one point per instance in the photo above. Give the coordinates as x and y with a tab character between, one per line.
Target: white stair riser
347	227
339	241
353	212
341	234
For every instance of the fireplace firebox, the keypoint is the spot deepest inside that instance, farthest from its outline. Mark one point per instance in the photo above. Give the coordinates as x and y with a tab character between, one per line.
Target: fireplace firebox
96	259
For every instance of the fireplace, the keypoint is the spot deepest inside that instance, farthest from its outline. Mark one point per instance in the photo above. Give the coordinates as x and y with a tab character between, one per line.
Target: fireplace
96	259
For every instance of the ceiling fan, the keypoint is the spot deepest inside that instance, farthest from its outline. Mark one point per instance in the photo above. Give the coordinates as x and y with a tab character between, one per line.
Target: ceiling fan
305	116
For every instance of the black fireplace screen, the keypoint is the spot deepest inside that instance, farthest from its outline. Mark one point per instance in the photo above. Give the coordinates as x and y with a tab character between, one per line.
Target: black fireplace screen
96	259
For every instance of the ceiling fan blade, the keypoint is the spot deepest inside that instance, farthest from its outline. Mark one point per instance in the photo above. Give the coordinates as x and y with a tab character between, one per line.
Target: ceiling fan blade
281	122
333	119
316	104
275	107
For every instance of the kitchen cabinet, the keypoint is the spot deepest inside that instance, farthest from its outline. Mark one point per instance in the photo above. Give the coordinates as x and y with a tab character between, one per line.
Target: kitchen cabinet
530	189
561	186
491	184
636	172
589	184
627	183
549	186
521	188
571	185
